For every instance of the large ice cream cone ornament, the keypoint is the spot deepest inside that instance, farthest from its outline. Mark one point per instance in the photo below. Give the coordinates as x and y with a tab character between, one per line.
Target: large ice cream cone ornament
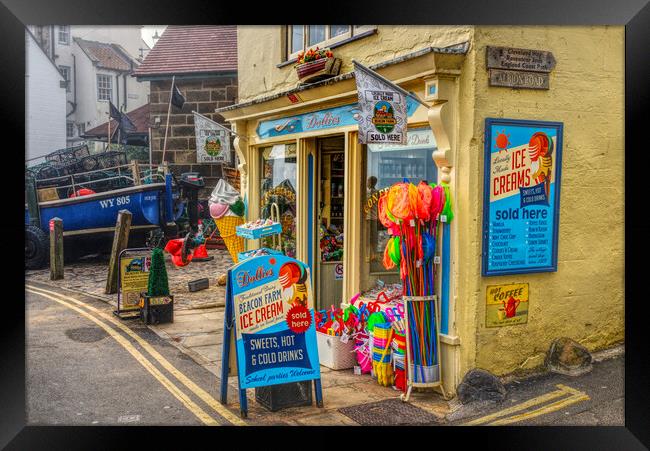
227	229
226	208
540	149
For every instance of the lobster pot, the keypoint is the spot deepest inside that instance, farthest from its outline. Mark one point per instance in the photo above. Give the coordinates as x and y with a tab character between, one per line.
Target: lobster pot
422	341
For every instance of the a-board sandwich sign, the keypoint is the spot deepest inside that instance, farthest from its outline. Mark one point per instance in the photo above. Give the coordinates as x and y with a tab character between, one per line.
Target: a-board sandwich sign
134	278
521	203
269	304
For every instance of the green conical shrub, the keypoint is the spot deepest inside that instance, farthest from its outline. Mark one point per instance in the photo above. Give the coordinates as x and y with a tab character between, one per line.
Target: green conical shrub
158	284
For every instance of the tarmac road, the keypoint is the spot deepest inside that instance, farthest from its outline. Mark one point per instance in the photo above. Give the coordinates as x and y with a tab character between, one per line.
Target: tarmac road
83	369
593	399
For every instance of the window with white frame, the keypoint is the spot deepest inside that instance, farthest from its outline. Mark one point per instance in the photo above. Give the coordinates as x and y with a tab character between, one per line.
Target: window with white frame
69	129
81	128
65	71
64	34
303	37
104	87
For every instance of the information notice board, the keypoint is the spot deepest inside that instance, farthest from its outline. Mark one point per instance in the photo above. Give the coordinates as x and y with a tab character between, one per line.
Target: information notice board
523	161
269	305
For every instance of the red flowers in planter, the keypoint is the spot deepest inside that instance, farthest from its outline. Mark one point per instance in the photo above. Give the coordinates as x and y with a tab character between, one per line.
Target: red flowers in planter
313	55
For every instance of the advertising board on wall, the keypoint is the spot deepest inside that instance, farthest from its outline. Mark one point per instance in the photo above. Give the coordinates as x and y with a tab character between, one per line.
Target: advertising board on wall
506	305
523	161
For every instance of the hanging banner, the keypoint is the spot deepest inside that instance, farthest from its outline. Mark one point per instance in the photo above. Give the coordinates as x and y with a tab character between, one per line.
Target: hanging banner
274	325
212	141
383	109
523	161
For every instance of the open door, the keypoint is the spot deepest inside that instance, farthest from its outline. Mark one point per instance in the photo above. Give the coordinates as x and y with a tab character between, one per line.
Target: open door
329	236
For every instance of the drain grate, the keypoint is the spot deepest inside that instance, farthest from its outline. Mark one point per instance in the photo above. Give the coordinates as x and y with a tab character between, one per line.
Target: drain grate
390	412
86	334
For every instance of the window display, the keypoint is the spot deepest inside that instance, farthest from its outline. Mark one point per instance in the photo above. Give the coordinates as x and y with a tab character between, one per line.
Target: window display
385	165
278	186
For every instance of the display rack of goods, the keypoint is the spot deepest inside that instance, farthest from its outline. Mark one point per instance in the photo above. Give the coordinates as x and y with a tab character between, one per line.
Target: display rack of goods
258	229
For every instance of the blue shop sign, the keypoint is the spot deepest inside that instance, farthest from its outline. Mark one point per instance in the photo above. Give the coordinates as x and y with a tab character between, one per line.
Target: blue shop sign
521	206
318	120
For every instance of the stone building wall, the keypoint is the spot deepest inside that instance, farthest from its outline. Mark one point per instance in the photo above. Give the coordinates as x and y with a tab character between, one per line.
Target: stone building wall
202	95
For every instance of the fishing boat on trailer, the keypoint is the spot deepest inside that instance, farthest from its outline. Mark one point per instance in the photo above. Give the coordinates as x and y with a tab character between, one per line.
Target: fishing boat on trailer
153	200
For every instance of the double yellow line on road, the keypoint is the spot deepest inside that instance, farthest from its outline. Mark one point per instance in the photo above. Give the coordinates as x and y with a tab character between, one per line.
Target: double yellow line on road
502	417
165	382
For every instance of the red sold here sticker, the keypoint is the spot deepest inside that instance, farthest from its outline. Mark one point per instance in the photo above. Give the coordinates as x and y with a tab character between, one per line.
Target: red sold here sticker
298	319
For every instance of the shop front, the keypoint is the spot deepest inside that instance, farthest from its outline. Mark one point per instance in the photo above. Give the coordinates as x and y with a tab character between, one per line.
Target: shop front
306	159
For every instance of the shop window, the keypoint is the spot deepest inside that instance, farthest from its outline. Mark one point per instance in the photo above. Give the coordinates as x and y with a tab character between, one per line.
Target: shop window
278	185
303	37
385	165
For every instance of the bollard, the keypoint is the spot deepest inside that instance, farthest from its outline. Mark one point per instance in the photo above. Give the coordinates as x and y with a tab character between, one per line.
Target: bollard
120	242
56	249
136	172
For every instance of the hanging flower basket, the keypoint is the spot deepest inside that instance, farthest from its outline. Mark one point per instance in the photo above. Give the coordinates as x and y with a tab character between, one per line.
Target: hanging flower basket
317	65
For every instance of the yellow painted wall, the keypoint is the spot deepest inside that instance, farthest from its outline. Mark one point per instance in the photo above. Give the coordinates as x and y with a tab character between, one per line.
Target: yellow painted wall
584	299
260	51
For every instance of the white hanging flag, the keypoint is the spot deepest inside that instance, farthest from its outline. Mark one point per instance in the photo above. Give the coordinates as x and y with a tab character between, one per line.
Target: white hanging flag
212	141
383	108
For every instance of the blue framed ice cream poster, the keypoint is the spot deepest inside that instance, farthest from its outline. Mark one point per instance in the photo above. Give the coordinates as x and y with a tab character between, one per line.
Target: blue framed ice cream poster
269	309
521	196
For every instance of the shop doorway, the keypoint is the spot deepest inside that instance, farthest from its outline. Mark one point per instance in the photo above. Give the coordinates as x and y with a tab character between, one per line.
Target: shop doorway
329	212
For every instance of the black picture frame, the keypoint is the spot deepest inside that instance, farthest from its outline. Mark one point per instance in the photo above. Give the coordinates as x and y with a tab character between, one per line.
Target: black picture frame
634	14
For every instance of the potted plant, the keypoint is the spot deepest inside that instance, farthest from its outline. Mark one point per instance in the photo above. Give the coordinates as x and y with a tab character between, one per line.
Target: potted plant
157	305
317	64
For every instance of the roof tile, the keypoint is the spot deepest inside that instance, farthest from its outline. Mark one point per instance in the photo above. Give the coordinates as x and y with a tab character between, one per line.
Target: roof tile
107	56
190	49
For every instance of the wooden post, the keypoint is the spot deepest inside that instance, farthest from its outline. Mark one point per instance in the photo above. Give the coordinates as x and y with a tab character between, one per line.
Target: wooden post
136	172
120	242
56	249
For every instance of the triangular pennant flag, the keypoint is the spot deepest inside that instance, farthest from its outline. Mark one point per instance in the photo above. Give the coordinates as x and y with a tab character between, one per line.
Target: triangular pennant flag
383	108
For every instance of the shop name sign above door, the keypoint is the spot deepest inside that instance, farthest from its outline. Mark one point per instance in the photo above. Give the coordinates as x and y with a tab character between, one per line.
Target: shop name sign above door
519	68
341	116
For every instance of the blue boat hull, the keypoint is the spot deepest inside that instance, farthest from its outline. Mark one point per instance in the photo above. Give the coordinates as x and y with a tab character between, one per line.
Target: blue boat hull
98	212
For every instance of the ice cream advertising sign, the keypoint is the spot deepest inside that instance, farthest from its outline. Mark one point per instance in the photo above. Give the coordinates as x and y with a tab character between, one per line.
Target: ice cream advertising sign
523	160
273	317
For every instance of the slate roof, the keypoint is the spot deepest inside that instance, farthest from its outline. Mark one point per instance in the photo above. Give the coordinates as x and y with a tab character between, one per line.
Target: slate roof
139	117
192	49
106	56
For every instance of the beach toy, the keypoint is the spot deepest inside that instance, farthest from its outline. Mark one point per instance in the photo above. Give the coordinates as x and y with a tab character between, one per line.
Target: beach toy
447	209
374	319
425	193
428	246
